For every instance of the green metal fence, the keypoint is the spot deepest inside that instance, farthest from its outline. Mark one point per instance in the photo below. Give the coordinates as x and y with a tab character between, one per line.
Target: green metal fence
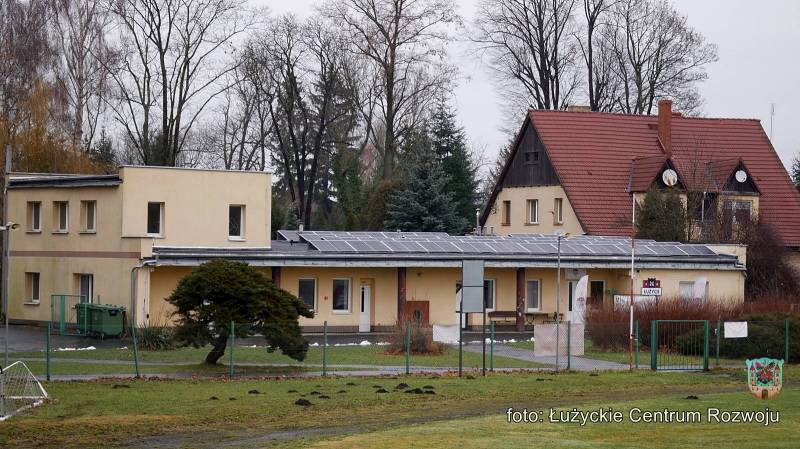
64	316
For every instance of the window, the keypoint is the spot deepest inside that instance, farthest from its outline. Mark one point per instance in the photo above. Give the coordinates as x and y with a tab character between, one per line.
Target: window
236	221
532	297
488	294
341	295
155	218
739	210
61	216
32	287
531	157
506	213
88	216
307	292
86	286
686	290
570	294
597	293
533	211
34	216
558	210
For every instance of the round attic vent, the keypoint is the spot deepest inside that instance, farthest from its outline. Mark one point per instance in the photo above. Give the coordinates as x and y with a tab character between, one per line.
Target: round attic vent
670	177
741	175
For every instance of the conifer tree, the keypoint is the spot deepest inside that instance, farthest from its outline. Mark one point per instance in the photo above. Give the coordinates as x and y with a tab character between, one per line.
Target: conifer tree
661	216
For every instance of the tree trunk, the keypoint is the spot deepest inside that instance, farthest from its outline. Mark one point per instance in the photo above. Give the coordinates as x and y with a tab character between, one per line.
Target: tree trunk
218	351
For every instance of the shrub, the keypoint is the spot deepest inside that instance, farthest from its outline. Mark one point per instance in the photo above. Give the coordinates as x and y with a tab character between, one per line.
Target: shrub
155	337
421	339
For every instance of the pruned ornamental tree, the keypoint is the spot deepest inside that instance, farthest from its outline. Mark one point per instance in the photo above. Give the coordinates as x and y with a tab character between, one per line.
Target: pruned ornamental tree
219	292
661	216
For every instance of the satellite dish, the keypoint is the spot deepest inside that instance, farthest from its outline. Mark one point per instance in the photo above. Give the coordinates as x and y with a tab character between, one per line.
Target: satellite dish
670	177
741	175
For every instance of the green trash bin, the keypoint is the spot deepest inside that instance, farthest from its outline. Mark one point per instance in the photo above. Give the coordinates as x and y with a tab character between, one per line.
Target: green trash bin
100	320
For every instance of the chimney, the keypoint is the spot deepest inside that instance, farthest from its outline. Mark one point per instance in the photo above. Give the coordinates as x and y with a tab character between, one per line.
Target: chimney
665	125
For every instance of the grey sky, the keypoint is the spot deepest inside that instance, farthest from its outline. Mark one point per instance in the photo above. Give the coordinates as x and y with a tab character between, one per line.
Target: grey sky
759	64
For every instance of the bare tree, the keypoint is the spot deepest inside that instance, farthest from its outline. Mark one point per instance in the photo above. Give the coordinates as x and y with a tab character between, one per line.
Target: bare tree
405	40
26	59
657	55
171	64
529	43
80	27
597	56
310	107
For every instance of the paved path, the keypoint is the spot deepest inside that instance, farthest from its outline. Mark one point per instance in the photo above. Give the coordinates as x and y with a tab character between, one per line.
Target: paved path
576	363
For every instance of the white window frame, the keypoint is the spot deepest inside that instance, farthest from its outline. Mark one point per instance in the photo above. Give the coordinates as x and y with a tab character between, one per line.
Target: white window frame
558	209
242	230
349	296
314	307
161	212
533	211
34	216
85	216
29	284
690	284
538	297
57	206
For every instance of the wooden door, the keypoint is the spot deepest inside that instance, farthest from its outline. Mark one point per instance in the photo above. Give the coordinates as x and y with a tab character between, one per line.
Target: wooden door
418	311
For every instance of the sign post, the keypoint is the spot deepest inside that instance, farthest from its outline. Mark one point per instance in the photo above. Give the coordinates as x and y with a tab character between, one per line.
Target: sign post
472	300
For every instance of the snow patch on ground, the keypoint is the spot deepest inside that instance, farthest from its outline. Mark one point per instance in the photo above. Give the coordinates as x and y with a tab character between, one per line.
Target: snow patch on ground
88	348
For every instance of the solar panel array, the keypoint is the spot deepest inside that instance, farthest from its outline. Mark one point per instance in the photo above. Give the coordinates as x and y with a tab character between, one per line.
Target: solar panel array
527	244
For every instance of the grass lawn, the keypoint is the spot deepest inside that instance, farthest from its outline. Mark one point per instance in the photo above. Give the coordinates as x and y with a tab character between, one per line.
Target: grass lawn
496	431
188	360
182	412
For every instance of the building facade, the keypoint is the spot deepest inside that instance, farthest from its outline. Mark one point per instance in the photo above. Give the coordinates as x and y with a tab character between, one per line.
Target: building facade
579	172
128	239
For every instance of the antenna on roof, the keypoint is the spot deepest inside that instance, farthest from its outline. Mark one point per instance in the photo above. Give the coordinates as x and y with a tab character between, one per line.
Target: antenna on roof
771	118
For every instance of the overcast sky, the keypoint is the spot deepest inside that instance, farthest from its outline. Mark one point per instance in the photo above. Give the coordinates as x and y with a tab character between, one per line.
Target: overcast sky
759	65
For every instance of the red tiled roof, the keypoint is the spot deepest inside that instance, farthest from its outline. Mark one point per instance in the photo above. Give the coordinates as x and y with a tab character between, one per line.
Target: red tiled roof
592	155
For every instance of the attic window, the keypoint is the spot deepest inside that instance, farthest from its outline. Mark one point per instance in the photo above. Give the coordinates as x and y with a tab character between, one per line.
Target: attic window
531	157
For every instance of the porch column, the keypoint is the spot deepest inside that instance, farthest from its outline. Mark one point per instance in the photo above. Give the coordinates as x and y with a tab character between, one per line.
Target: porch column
520	299
276	276
401	292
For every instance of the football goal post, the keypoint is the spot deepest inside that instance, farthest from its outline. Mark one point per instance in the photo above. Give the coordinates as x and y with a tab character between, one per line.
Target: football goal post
19	390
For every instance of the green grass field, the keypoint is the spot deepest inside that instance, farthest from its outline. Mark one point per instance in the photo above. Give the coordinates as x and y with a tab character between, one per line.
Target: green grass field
468	412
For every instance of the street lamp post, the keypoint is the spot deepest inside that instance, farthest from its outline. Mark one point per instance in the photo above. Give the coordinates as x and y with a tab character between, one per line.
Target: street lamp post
6	230
559	236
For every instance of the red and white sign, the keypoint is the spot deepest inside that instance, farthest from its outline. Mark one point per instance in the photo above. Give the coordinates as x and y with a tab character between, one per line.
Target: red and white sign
651	287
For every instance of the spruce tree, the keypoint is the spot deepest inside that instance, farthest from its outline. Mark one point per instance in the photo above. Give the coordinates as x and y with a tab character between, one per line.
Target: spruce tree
424	203
661	216
796	171
450	145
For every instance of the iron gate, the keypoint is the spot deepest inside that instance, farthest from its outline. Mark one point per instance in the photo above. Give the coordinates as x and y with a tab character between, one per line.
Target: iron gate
679	345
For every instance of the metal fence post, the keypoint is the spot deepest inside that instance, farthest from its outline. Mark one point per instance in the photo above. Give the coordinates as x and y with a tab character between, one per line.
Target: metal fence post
325	348
491	346
705	345
135	349
719	335
786	340
49	329
569	345
636	345
408	347
653	344
232	338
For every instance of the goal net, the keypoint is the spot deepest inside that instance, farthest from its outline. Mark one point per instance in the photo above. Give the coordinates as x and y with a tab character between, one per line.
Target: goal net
19	390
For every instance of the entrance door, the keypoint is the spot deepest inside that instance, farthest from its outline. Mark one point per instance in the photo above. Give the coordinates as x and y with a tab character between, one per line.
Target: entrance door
597	294
364	323
87	287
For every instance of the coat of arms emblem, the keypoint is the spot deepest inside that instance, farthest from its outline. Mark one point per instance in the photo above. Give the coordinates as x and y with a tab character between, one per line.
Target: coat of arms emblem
765	377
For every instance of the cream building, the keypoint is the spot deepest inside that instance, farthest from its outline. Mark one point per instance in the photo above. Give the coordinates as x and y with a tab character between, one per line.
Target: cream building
127	239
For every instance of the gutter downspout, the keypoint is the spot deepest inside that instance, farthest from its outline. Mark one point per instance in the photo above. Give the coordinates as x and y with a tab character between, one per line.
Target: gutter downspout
134	280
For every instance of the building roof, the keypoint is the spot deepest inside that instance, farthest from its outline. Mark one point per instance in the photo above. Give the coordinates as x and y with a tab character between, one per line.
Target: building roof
592	155
439	249
44	180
